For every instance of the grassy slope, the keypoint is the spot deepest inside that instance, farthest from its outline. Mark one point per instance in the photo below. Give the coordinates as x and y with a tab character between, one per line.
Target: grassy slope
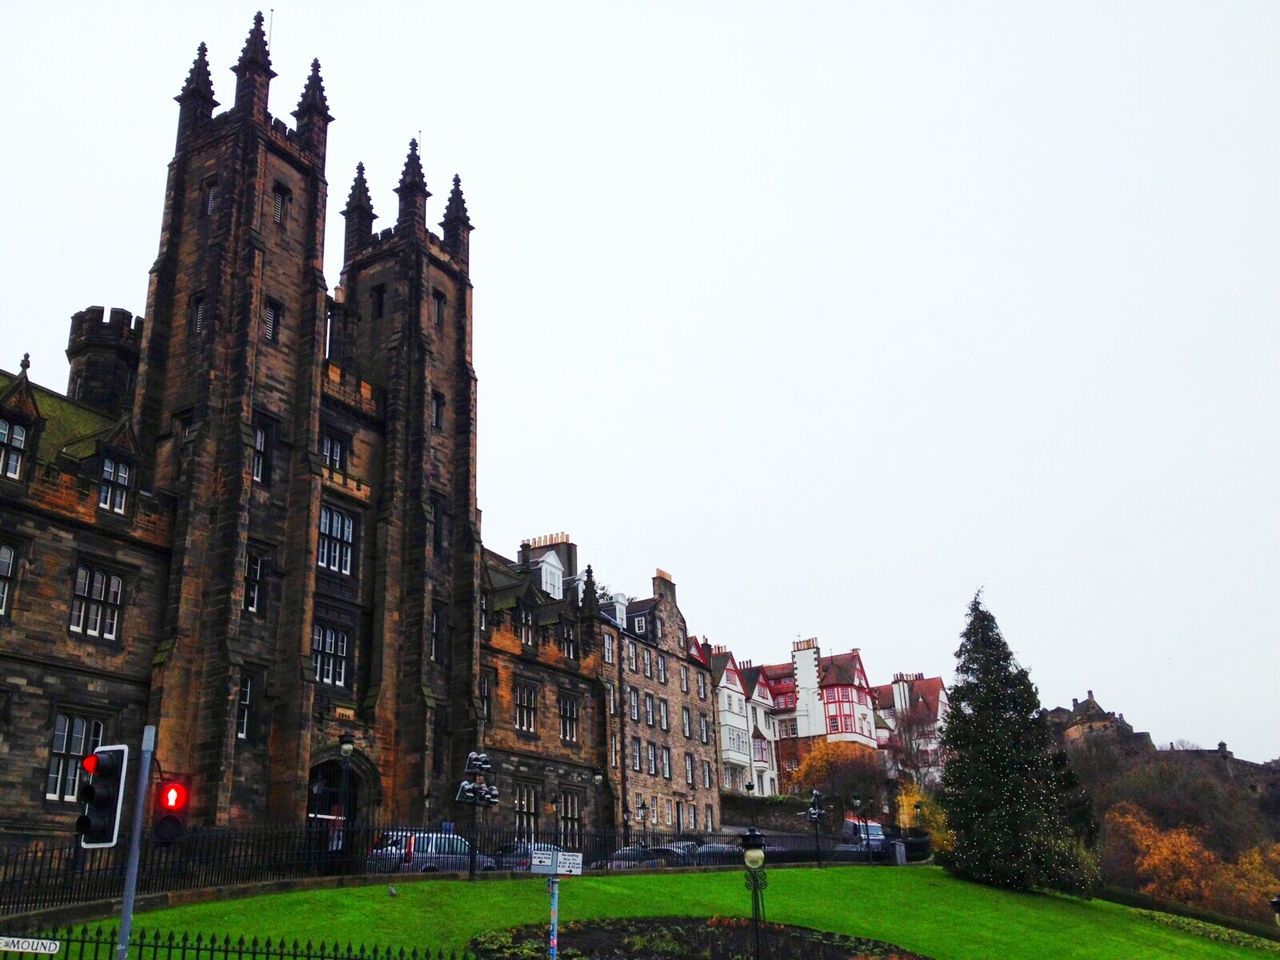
921	909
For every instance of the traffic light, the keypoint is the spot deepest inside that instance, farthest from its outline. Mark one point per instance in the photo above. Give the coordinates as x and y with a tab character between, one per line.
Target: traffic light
102	793
171	802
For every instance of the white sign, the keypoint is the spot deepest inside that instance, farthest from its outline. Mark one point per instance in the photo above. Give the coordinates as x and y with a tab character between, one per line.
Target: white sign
28	945
569	863
542	861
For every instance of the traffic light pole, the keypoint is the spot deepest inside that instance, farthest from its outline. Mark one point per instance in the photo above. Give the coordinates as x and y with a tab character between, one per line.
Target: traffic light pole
135	840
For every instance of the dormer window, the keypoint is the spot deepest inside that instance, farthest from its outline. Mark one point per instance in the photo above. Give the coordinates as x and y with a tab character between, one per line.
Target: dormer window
113	491
524	627
639	624
13	447
552	575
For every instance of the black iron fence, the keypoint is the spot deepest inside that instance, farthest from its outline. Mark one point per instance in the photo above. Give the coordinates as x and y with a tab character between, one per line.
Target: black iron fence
100	942
54	876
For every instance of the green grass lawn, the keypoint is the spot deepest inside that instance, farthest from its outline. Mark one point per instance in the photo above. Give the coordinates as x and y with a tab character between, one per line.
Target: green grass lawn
921	909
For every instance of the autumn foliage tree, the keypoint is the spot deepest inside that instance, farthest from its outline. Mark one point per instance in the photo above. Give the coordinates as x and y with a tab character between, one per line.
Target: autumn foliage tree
842	771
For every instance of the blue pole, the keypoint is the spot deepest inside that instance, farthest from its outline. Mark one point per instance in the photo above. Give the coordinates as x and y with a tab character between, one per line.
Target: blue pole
553	938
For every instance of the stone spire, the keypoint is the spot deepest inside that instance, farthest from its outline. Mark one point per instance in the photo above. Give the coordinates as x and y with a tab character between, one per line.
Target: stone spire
313	114
196	100
456	223
590	602
360	216
412	191
253	72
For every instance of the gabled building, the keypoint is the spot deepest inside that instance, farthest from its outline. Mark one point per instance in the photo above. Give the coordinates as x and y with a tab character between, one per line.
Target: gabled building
764	728
820	698
910	713
735	723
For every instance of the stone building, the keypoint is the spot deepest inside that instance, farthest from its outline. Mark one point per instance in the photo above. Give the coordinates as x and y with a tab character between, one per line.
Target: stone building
252	518
1087	719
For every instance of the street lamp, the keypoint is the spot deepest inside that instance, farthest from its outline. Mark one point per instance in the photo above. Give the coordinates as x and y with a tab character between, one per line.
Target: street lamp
346	747
476	793
751	792
916	822
597	777
752	844
626	825
815	815
644	821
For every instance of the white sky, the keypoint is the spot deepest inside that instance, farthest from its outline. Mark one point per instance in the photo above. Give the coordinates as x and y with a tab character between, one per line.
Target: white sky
837	316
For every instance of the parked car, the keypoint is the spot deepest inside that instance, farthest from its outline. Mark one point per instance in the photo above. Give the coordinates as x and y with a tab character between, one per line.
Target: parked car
861	840
642	855
409	850
712	854
517	855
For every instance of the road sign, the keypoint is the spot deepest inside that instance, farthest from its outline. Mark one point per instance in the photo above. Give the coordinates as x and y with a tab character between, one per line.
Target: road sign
569	863
542	861
28	945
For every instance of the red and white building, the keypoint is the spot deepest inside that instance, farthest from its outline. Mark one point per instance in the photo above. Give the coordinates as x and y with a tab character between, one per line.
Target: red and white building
911	711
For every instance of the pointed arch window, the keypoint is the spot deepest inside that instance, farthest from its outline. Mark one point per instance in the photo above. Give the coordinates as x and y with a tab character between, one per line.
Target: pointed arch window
96	603
113	489
337	541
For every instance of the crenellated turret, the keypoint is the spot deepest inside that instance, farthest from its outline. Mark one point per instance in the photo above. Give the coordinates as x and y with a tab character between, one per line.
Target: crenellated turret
413	192
104	358
313	115
253	73
359	215
456	224
196	99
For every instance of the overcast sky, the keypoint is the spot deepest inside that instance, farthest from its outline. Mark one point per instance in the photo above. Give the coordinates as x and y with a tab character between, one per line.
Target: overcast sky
838	316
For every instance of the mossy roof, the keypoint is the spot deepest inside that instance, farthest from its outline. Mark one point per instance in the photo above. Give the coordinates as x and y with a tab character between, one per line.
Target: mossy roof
69	427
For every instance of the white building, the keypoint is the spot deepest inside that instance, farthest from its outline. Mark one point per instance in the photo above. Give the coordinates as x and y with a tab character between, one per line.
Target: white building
764	728
911	711
735	727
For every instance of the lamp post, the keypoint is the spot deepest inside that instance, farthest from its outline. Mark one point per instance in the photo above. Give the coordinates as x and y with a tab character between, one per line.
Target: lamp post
916	823
1275	905
815	815
751	793
752	844
597	777
346	747
644	823
863	839
626	826
476	793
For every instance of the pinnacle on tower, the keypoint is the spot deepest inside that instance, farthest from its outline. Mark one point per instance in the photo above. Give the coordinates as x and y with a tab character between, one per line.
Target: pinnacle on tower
456	223
253	73
359	198
359	215
313	100
413	190
199	85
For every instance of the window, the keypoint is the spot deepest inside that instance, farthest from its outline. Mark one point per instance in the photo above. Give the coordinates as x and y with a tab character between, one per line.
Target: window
438	634
613	750
833	724
568	642
666	762
662	668
379	301
648	709
437	523
709	826
437	411
7	558
73	739
524	801
667	811
337	537
113	491
439	302
704	733
271	321
13	446
688	768
663	721
252	581
333	449
608	648
651	751
686	721
634	697
195	313
486	695
526	707
648	663
760	750
95	604
707	780
610	693
243	706
329	655
684	679
261	454
702	686
568	707
631	655
657	627
639	624
693	817
635	754
484	611
210	197
524	627
280	198
570	819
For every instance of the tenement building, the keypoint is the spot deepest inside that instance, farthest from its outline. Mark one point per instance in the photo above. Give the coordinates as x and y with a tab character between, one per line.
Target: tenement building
251	520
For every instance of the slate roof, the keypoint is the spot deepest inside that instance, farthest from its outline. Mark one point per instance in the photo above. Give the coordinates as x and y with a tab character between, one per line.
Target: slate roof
69	427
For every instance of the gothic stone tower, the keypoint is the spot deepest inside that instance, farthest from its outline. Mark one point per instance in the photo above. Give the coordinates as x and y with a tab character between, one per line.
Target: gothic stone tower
324	558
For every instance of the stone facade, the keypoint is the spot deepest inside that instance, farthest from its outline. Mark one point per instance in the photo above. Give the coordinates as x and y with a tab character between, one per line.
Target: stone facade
252	521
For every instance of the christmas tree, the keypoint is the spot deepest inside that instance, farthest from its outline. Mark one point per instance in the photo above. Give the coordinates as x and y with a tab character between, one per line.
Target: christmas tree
1003	796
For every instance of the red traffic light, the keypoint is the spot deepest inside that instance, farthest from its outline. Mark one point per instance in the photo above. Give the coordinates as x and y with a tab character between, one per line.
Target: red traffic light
172	796
90	764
